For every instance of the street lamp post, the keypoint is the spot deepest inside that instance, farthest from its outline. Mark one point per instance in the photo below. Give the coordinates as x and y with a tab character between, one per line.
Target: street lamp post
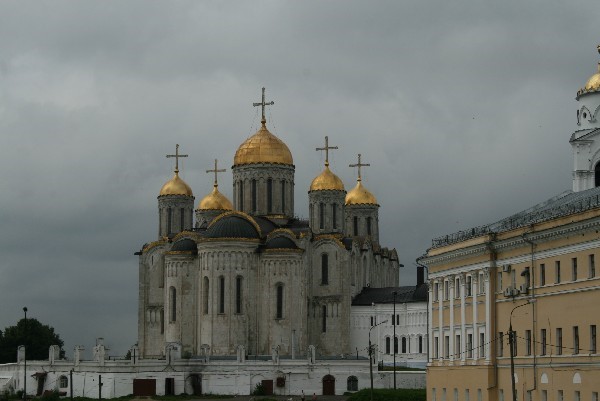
511	339
371	356
395	341
25	357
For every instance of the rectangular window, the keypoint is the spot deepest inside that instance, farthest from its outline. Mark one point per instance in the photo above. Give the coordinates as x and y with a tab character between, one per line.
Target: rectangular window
355	225
481	284
254	195
324	269
444	394
513	278
527	342
576	339
238	294
221	294
321	215
436	347
324	319
469	286
169	220
456	394
528	395
559	341
447	347
544	395
542	274
269	195
500	344
499	282
592	266
446	290
181	219
594	396
501	395
557	271
593	339
574	269
334	215
372	322
457	350
559	395
241	192
543	341
420	344
433	394
393	320
482	345
283	197
577	396
436	291
368	226
457	288
469	345
279	311
479	395
466	394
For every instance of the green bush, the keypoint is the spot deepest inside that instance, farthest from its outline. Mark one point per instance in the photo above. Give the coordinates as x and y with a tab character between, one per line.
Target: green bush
403	394
259	389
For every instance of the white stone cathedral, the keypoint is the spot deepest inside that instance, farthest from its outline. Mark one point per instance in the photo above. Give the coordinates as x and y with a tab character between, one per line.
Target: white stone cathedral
251	278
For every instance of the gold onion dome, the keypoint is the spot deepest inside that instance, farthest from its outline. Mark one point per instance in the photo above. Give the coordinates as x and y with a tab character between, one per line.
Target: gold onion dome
593	83
215	201
176	186
263	147
359	195
327	181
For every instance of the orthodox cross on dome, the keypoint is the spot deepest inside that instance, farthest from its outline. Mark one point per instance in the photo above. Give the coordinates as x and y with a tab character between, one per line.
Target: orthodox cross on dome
326	149
176	156
263	104
359	165
216	171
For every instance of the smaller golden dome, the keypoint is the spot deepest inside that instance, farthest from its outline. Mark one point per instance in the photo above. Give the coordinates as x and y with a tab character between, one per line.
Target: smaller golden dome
327	181
359	195
176	186
263	147
593	84
215	201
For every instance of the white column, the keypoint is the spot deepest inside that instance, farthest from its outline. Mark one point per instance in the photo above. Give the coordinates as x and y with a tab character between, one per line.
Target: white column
441	320
430	320
488	291
463	333
451	323
474	289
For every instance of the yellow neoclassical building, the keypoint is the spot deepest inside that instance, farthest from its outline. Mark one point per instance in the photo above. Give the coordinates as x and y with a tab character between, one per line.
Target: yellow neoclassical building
533	274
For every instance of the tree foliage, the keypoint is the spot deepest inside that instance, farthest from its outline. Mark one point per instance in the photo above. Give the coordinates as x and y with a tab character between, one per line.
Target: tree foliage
36	337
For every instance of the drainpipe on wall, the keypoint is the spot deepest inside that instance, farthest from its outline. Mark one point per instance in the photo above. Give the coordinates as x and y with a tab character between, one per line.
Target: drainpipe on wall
534	314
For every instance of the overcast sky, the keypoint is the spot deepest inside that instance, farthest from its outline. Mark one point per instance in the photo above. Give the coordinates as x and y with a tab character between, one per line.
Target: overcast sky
463	109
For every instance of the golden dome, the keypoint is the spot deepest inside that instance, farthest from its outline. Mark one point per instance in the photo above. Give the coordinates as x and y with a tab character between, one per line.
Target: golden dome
327	181
215	201
176	186
593	84
263	147
359	195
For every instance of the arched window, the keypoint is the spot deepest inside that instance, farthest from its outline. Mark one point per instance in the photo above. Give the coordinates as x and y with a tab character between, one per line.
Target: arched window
205	288
324	318
324	269
368	225
181	219
597	175
269	195
321	215
420	344
404	345
387	345
355	225
173	300
395	345
162	321
63	382
238	294
352	383
279	307
221	294
254	195
169	220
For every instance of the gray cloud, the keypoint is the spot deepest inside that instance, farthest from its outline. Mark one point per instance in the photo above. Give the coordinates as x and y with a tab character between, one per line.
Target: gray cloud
464	110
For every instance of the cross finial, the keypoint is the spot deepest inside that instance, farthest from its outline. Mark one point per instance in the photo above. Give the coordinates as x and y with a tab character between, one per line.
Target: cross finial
359	165
326	149
177	156
216	170
263	104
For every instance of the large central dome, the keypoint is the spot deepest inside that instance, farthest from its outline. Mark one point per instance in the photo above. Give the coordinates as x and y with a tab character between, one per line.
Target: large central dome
263	147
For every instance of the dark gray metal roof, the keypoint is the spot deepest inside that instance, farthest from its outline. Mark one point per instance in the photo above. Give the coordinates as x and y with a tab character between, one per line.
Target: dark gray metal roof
369	296
564	204
185	244
232	227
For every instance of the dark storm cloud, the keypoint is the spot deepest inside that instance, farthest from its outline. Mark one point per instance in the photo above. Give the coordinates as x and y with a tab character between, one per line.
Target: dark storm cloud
463	109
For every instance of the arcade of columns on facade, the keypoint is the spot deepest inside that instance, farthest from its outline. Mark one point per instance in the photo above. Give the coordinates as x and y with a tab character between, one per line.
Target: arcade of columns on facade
251	277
